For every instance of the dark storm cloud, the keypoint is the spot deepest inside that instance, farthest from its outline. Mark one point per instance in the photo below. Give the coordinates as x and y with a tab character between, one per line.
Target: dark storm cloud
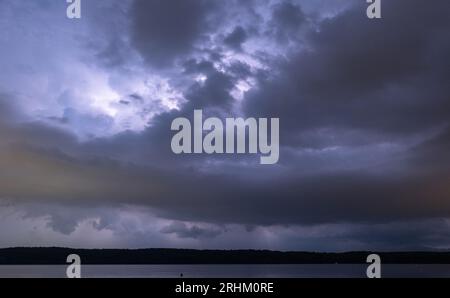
215	91
421	235
287	18
298	98
403	236
184	193
349	83
359	74
7	109
236	38
384	76
196	232
163	30
194	66
432	156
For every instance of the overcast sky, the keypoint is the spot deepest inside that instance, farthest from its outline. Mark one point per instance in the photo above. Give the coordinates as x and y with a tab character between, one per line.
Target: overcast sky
86	108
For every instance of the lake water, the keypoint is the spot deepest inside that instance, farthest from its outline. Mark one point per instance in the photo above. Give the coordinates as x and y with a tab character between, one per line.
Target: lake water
226	271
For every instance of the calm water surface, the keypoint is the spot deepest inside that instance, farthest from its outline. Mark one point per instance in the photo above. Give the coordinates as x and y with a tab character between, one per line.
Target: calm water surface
226	271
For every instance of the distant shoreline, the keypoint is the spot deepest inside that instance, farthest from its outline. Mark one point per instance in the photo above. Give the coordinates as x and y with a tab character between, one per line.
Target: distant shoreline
57	256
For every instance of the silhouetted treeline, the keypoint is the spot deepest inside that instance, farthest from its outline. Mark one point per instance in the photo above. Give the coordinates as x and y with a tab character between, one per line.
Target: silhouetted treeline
55	256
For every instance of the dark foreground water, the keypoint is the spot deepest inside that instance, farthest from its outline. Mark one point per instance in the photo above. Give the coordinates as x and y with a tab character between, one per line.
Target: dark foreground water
226	271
